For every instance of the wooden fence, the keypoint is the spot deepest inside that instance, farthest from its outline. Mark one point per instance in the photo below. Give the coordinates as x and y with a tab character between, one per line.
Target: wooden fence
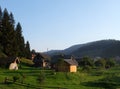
30	86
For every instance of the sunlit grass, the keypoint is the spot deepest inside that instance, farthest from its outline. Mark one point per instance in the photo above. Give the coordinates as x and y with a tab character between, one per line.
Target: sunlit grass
80	80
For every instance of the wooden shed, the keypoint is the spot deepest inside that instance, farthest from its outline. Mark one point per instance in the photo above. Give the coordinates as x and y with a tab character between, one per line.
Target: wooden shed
66	65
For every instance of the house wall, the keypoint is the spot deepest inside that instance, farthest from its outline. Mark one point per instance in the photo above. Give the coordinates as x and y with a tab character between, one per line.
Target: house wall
73	68
44	64
63	68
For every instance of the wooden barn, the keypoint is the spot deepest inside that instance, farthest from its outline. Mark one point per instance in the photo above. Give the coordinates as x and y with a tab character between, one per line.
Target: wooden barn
66	65
41	60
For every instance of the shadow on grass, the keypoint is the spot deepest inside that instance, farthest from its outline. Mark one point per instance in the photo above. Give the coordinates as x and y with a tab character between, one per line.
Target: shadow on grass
109	82
29	86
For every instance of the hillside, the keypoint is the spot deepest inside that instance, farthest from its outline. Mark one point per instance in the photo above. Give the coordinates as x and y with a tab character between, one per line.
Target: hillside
36	78
102	48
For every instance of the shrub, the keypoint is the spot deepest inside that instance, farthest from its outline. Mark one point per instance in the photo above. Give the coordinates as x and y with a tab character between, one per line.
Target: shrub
4	62
41	77
23	77
15	78
86	68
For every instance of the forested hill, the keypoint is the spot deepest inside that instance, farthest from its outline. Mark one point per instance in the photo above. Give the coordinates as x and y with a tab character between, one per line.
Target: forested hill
12	41
102	48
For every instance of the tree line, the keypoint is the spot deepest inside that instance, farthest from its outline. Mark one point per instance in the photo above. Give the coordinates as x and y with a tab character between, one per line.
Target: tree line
87	63
12	41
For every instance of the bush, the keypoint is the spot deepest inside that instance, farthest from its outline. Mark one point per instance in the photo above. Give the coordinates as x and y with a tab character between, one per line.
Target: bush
41	77
3	62
23	77
86	68
15	78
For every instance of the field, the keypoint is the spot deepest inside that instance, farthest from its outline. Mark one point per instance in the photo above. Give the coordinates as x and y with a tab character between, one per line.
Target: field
35	78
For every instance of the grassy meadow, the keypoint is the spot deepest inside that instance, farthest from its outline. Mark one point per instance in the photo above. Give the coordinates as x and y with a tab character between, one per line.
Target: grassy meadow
35	78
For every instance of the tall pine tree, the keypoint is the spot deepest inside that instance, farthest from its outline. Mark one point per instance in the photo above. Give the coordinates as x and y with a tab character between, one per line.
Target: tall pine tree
11	39
12	21
0	29
5	27
9	36
27	50
0	17
20	41
14	40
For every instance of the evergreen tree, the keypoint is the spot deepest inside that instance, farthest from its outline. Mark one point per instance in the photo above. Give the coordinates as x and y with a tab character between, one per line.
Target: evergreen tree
28	53
8	39
20	41
14	40
4	30
33	51
0	28
110	63
0	18
86	61
11	40
12	21
100	63
0	13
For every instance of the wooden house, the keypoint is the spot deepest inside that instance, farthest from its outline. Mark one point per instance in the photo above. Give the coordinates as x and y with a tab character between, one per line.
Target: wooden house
66	65
41	60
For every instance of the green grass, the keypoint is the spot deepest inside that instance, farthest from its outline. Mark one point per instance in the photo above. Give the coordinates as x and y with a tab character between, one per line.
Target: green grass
28	79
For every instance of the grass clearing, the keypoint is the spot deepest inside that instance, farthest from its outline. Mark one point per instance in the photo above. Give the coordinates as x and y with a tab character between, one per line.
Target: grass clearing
28	79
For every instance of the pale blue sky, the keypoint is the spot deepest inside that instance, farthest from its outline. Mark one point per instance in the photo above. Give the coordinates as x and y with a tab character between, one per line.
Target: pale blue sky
58	24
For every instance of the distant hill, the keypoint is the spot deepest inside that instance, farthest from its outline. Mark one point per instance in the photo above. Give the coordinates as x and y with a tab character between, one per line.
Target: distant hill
54	52
102	48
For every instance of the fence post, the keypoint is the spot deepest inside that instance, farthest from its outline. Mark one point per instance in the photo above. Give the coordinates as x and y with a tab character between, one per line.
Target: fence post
6	80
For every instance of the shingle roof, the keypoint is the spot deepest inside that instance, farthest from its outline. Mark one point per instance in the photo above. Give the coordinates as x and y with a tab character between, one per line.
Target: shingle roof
45	56
71	61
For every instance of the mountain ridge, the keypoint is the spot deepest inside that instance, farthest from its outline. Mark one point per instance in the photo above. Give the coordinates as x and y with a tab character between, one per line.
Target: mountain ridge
102	48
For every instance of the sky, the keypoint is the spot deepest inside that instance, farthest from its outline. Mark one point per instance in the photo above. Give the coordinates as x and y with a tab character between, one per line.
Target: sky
59	24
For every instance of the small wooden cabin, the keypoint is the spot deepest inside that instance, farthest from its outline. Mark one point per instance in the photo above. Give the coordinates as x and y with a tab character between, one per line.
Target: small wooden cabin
66	65
41	60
